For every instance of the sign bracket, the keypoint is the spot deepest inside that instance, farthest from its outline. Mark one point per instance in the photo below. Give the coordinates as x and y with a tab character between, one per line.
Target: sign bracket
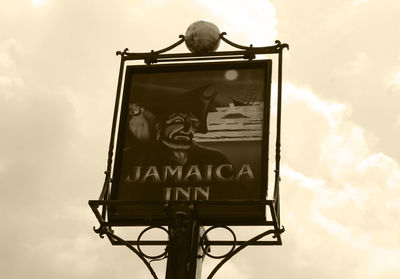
101	206
180	220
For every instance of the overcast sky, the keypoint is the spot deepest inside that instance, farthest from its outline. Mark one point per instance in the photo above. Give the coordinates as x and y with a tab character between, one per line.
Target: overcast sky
341	129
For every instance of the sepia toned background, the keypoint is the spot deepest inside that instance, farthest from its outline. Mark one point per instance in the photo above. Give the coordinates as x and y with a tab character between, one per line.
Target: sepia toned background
341	128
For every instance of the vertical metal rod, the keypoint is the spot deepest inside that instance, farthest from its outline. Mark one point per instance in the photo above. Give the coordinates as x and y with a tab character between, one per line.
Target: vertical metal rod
105	190
194	260
183	249
278	137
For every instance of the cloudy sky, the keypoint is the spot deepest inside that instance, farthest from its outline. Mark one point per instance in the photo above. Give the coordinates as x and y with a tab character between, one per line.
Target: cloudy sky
341	128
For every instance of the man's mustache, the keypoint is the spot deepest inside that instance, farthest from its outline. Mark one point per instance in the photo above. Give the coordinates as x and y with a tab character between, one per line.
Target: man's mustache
184	134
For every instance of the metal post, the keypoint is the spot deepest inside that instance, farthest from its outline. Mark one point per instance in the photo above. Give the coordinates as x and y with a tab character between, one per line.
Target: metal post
184	261
104	195
278	137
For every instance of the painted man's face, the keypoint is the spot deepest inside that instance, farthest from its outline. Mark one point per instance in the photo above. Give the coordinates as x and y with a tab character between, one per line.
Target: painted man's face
178	129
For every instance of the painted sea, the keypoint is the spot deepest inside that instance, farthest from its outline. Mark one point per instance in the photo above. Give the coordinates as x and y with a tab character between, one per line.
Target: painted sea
236	131
234	123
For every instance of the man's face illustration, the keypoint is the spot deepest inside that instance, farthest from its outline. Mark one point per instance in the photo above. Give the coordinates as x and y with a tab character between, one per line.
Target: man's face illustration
178	129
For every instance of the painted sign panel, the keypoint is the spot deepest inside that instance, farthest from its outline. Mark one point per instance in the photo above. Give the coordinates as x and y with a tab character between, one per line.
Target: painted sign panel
194	132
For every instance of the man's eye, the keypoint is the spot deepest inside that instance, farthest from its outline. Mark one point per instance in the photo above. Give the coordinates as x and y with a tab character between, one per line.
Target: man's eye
195	122
134	111
177	121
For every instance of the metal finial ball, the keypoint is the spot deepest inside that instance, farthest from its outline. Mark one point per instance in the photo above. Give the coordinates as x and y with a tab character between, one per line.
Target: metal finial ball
202	36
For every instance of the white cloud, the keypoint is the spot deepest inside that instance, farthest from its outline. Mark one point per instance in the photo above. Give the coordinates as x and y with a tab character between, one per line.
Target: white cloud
39	3
394	81
359	2
301	179
145	6
360	64
343	148
383	263
308	121
254	20
10	76
380	164
332	111
349	199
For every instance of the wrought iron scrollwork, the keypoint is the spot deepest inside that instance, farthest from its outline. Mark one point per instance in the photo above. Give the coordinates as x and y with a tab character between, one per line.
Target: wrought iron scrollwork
251	51
102	230
281	46
205	246
232	253
122	53
126	52
174	45
152	56
156	257
246	52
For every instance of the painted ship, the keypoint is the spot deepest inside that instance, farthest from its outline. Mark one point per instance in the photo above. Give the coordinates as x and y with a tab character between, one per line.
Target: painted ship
241	120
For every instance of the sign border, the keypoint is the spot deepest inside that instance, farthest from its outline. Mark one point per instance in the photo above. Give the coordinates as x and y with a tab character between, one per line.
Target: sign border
251	205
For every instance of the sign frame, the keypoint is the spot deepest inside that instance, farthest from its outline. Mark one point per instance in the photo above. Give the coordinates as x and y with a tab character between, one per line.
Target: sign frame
249	211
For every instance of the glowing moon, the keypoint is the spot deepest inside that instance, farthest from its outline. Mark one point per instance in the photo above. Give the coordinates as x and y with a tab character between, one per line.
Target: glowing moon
231	74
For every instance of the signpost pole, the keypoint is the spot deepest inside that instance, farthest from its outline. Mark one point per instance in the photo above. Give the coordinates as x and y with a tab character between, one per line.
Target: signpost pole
184	261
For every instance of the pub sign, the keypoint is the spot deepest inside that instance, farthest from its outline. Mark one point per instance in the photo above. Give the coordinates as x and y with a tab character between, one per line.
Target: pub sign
193	132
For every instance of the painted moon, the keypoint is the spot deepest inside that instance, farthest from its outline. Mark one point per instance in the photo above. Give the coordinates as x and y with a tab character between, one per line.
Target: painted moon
231	74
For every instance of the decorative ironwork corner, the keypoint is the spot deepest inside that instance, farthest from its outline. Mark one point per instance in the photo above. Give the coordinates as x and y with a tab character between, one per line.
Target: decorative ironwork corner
281	46
102	230
122	53
276	234
242	52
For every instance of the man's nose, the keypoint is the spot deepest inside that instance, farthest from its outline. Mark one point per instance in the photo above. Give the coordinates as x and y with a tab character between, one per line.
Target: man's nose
187	125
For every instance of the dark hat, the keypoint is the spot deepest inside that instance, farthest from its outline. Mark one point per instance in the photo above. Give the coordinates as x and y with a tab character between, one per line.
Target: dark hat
196	101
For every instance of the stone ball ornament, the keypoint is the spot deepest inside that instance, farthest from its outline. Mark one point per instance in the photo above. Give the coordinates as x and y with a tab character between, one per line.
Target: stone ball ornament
202	36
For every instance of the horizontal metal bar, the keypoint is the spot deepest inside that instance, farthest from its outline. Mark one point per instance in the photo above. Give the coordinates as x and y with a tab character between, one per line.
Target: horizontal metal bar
145	242
194	202
201	58
150	56
227	242
211	243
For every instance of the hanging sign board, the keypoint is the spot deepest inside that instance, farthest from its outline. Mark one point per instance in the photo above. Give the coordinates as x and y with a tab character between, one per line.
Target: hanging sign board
193	132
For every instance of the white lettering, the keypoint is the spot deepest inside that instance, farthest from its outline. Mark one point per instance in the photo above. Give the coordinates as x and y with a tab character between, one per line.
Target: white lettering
186	193
245	170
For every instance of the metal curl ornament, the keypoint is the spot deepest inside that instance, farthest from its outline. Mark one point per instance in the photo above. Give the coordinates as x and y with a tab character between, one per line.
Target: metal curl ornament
160	256
278	232
122	53
102	230
99	231
280	45
126	52
205	247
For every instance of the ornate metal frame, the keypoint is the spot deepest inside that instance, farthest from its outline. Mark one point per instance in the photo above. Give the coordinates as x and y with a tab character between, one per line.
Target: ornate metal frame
274	226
